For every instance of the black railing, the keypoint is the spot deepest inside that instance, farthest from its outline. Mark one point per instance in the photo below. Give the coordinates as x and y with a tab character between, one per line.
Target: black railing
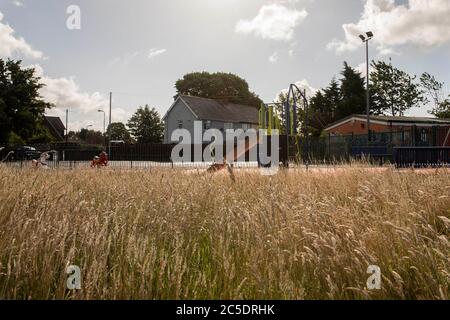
422	157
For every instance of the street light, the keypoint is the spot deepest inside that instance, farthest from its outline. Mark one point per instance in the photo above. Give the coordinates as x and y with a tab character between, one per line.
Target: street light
366	38
104	124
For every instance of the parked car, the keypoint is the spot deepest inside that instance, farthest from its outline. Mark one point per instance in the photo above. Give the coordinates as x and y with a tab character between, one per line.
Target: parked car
25	153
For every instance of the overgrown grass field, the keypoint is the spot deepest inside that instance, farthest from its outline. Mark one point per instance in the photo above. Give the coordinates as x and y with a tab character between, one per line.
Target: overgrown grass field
167	234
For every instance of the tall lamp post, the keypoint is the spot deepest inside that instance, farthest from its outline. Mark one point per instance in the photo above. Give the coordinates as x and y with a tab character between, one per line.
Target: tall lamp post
110	120
104	124
366	38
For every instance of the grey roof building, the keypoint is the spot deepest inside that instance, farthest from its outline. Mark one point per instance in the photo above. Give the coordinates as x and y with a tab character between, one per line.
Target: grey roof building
56	127
215	114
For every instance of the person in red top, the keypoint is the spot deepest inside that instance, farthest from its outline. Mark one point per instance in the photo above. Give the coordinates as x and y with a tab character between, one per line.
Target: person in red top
101	161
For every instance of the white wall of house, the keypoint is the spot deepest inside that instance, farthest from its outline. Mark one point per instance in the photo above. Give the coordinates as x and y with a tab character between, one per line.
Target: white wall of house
178	115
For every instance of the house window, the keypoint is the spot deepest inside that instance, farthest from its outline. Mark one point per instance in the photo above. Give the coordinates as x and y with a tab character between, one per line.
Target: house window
207	125
363	126
180	124
228	126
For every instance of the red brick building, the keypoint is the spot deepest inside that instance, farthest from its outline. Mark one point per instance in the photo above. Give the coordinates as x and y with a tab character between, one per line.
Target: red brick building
434	131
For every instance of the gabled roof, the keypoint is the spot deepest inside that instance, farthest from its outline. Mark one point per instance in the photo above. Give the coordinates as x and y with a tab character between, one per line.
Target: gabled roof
390	120
217	110
56	126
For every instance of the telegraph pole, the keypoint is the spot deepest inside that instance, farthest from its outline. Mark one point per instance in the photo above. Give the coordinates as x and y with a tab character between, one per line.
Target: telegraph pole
67	125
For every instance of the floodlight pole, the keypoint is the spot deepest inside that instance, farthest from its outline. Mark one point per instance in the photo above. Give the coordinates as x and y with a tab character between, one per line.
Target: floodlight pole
366	38
110	115
368	92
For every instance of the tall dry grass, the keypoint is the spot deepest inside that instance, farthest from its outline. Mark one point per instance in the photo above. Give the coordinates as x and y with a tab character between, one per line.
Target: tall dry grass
171	235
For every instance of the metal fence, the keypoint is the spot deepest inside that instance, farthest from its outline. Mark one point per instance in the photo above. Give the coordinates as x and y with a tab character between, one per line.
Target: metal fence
294	150
422	157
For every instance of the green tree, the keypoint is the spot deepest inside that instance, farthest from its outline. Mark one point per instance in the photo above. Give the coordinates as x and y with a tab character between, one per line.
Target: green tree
146	125
323	107
43	135
224	86
442	111
118	131
332	96
301	115
5	123
433	88
319	113
88	137
21	107
394	91
352	93
95	138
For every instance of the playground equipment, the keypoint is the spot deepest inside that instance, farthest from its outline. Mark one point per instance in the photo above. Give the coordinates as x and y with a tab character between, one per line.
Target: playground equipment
286	120
100	161
282	118
42	163
7	156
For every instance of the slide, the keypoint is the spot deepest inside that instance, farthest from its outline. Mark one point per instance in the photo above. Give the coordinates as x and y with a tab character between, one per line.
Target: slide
235	155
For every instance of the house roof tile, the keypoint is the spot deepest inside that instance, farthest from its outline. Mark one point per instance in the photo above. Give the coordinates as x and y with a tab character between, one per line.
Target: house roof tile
217	110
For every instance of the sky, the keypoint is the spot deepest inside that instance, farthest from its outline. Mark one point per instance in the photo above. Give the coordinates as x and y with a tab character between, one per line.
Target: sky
137	49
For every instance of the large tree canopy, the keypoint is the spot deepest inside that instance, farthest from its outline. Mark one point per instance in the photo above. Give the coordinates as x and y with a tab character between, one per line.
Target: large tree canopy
146	125
21	107
224	86
352	93
393	91
118	131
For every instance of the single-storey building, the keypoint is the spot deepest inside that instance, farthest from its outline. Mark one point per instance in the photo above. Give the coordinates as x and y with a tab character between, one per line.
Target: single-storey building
357	124
422	127
214	114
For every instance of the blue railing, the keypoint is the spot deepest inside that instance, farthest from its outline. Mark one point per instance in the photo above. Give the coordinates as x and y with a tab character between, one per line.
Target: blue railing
422	157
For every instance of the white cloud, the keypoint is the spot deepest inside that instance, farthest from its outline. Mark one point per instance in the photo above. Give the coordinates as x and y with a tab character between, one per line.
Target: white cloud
422	23
362	68
154	52
65	93
274	57
11	45
83	107
302	85
274	22
18	3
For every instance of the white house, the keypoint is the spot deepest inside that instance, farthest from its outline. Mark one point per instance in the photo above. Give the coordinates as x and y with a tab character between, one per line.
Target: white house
214	114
